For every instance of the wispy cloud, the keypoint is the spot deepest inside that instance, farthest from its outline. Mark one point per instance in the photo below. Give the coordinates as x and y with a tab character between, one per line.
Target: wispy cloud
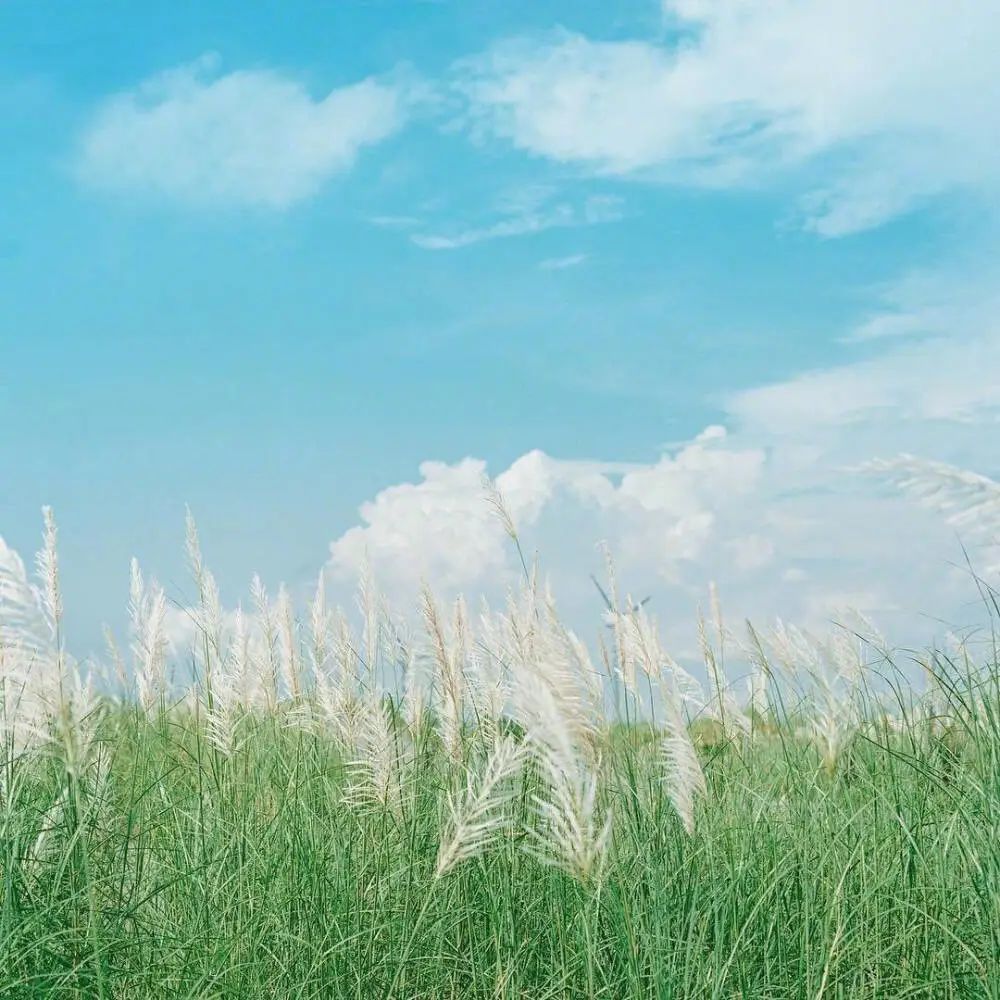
562	263
394	221
250	137
757	91
594	210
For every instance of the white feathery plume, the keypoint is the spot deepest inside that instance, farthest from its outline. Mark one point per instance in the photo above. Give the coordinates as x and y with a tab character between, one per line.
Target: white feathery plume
829	673
519	626
73	720
537	645
969	502
235	690
642	644
265	661
577	658
760	672
339	712
148	639
210	613
371	633
116	659
476	816
222	716
488	678
498	504
240	662
725	699
319	630
23	627
47	564
715	609
208	620
192	547
346	657
722	707
492	668
495	499
460	653
625	667
682	771
375	768
339	709
569	829
460	630
208	616
715	681
289	645
683	774
68	701
414	690
449	677
29	660
414	693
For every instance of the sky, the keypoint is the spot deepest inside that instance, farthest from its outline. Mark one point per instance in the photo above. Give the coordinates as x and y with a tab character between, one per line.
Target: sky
669	273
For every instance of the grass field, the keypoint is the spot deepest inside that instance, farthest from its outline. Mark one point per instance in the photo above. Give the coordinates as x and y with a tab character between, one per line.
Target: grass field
476	808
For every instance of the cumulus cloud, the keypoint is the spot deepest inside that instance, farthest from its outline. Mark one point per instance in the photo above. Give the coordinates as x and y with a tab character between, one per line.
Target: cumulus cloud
250	137
439	528
442	529
715	508
780	534
887	103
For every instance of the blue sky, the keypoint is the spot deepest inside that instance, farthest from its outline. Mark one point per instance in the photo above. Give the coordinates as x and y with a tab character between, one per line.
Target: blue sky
268	260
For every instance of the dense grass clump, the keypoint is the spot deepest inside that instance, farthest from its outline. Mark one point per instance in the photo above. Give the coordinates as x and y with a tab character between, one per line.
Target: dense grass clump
172	870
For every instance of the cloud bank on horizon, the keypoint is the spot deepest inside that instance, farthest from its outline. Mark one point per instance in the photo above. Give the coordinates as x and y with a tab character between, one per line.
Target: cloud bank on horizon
785	524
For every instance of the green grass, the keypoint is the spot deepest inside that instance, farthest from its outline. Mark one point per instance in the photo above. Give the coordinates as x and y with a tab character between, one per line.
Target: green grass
176	872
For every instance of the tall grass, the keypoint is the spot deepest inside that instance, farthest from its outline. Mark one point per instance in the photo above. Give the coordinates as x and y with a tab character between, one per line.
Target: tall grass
476	808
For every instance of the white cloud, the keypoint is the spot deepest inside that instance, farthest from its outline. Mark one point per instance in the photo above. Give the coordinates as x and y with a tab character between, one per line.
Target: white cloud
562	263
932	381
442	529
779	533
439	528
961	299
535	216
771	510
672	525
394	221
751	551
889	102
251	137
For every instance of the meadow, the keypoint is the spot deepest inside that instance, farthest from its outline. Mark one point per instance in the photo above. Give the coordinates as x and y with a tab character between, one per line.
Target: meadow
449	804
